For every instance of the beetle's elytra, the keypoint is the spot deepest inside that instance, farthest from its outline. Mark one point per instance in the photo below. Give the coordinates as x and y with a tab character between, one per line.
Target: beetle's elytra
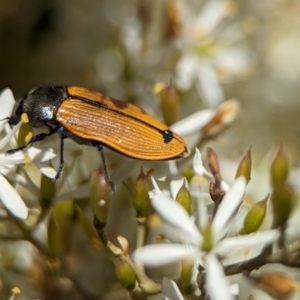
89	117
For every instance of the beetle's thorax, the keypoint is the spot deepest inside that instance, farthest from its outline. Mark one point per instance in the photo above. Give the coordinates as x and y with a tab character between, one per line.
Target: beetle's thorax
40	105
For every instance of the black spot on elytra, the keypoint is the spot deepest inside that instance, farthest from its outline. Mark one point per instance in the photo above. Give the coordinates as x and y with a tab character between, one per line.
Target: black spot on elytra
167	136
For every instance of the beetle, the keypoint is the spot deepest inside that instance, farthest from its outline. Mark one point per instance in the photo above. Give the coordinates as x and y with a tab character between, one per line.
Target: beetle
91	118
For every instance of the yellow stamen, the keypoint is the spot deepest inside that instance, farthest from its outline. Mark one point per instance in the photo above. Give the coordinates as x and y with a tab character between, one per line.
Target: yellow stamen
24	118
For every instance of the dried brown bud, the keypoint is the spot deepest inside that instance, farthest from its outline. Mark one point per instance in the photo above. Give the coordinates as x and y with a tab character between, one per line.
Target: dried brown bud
277	284
212	161
224	115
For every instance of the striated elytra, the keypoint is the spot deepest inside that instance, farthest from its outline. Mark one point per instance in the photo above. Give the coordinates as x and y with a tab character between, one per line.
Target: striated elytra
89	117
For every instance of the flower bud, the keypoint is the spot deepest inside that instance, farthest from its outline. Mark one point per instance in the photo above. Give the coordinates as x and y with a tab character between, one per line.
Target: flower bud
126	275
141	200
63	218
279	167
54	238
244	168
100	194
188	173
169	104
48	191
88	229
186	275
207	234
278	285
183	197
212	161
283	203
173	19
255	217
224	115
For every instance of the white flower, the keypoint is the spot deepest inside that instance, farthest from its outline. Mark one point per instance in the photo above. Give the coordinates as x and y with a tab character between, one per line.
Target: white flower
171	290
208	53
192	240
8	195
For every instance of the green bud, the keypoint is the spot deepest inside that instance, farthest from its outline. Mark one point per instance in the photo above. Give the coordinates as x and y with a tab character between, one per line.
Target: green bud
207	238
141	200
100	194
255	217
169	104
126	275
88	229
244	168
188	173
63	216
183	197
48	191
186	275
283	204
279	168
54	244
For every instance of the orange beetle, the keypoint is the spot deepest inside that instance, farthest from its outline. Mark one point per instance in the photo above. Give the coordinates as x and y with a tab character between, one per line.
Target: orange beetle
89	117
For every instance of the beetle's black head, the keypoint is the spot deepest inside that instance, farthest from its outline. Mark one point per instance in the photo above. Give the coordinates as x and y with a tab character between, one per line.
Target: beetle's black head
40	106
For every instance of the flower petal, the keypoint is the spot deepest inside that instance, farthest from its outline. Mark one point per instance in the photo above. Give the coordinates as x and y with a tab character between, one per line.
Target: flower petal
208	84
171	290
7	102
40	154
244	243
10	135
162	254
228	207
12	159
174	214
186	70
212	13
193	123
199	168
216	282
175	186
46	169
12	200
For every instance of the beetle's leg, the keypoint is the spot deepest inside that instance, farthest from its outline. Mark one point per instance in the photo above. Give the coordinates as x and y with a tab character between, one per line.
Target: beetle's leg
36	138
62	134
100	149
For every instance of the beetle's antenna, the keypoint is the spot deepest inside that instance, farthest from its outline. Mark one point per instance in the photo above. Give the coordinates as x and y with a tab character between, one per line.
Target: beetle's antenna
36	138
100	149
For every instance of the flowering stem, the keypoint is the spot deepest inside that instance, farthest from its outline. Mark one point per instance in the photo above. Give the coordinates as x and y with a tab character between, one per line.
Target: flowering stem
11	238
141	232
145	286
289	257
281	241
